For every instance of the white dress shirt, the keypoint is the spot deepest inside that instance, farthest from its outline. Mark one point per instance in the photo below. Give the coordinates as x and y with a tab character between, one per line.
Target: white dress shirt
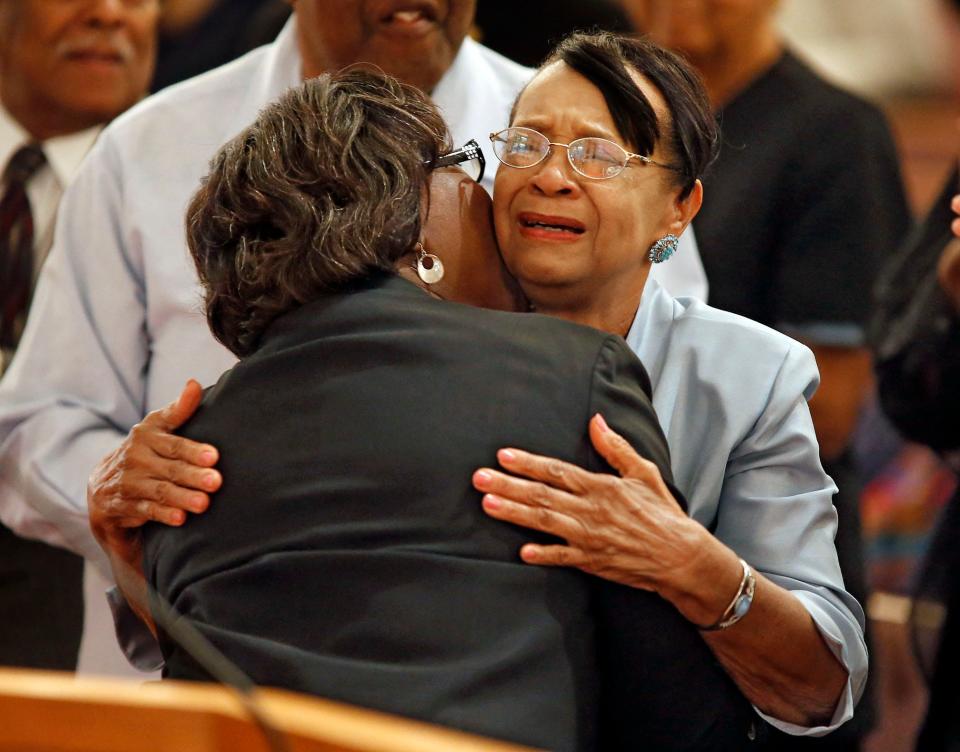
731	395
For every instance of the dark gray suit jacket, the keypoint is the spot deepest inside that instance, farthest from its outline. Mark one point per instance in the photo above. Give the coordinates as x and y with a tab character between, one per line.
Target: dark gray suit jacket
347	554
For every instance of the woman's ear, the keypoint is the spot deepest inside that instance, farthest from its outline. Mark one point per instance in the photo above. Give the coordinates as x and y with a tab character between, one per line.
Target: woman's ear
685	209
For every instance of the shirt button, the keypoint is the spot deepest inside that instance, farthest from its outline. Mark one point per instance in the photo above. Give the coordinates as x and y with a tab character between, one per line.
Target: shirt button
752	732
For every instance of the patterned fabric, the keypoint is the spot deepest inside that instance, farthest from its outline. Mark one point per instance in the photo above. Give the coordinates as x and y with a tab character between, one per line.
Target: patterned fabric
16	243
899	507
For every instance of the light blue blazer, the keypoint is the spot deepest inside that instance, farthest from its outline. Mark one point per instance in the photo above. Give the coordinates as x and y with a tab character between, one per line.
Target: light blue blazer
731	395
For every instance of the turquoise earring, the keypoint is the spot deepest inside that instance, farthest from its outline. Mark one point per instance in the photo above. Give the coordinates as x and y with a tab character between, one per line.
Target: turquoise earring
663	249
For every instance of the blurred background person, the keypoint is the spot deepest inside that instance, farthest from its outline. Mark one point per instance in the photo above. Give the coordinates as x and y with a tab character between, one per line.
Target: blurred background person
906	52
66	68
873	47
916	338
915	335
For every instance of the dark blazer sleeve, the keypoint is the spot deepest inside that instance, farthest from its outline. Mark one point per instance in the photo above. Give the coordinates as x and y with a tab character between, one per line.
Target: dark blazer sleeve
621	393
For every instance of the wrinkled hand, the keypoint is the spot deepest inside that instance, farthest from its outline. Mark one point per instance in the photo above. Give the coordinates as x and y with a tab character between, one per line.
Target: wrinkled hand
153	476
629	529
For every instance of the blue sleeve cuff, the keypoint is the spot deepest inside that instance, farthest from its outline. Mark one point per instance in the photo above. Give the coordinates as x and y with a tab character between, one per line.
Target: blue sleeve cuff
845	641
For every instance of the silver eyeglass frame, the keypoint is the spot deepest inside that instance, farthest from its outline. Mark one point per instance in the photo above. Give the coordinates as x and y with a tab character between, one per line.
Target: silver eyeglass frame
627	155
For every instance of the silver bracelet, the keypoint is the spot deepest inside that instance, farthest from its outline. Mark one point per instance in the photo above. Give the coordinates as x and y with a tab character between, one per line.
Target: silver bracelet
740	604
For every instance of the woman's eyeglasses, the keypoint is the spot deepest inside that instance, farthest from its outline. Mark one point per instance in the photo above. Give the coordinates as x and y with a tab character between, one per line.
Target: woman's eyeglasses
468	158
592	157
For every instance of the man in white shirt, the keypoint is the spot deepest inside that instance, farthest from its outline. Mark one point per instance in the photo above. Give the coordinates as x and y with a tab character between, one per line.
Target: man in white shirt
66	68
116	327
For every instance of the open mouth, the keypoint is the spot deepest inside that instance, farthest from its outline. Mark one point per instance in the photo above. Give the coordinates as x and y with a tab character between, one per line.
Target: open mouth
561	226
409	16
406	16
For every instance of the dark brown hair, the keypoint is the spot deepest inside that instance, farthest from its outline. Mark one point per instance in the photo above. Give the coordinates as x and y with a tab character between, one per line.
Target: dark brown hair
323	189
605	59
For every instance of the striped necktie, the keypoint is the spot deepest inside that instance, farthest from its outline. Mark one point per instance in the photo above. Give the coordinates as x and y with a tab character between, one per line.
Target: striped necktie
16	243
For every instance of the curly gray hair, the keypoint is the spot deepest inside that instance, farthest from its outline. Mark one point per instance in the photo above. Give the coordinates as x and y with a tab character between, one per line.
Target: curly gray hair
323	189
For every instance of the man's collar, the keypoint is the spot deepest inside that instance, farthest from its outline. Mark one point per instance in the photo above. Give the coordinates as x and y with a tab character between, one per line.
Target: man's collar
281	70
285	67
64	153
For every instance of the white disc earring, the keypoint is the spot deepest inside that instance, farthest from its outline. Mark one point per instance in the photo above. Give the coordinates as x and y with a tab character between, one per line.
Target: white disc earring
429	266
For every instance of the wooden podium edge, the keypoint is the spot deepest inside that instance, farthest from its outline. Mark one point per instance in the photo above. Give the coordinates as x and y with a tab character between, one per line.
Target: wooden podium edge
45	710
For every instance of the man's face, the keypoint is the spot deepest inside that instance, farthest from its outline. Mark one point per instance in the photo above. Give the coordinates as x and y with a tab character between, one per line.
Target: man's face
414	40
700	29
66	65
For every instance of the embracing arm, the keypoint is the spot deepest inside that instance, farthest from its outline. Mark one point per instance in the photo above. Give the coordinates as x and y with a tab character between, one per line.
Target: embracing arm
775	654
152	476
631	530
78	382
776	512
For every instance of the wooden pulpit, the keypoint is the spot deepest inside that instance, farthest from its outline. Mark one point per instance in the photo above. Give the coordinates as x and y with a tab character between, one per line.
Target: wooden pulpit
44	711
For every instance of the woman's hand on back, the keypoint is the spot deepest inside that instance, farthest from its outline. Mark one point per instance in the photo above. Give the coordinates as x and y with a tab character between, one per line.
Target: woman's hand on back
629	529
153	475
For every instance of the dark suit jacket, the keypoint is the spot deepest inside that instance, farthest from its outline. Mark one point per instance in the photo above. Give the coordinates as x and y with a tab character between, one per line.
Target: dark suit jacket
347	554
